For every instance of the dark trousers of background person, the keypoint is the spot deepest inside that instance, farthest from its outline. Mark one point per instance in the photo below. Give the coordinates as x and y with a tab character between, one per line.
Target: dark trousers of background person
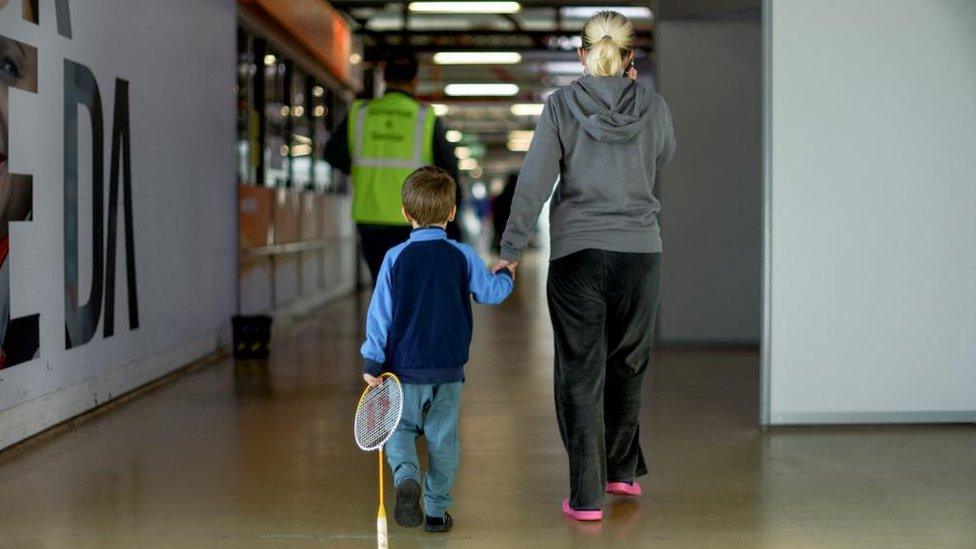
376	240
603	306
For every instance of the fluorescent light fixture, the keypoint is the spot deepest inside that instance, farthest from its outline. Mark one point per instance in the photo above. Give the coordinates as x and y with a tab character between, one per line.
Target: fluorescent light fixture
585	12
563	67
301	150
462	152
467	164
453	136
519	140
563	80
440	109
477	58
465	7
270	59
469	90
528	109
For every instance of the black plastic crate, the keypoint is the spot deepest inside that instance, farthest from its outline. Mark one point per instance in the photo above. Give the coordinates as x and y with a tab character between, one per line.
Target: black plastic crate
252	336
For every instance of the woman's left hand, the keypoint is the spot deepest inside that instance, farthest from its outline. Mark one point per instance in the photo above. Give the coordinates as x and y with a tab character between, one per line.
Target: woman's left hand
502	264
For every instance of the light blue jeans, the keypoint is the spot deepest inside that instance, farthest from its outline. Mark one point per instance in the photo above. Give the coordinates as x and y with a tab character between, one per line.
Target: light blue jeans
431	411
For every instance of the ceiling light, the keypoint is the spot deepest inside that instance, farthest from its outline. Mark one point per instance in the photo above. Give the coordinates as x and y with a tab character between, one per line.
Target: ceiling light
318	91
563	67
453	136
477	58
462	152
528	109
301	150
355	59
585	12
465	7
440	109
481	89
270	59
519	140
467	164
319	111
562	80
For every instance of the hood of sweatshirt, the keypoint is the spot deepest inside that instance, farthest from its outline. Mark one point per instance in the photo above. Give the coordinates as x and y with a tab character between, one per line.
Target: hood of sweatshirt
610	109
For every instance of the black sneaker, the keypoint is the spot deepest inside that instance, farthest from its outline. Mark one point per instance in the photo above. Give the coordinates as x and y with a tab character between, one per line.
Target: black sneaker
407	512
439	524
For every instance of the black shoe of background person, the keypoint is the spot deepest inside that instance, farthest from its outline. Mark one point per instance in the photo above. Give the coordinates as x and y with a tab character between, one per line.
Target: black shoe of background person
407	512
443	524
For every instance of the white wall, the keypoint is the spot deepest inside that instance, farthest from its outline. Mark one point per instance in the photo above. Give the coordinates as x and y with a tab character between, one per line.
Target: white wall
710	72
873	211
179	57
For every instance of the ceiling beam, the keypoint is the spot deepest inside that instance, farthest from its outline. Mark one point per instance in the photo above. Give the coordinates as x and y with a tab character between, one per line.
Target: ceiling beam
378	43
360	4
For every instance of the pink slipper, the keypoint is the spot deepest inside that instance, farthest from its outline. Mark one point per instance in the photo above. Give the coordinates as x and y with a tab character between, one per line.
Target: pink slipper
624	489
585	516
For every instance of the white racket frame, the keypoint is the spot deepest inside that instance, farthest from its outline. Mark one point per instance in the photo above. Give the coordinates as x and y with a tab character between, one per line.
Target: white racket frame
382	539
399	415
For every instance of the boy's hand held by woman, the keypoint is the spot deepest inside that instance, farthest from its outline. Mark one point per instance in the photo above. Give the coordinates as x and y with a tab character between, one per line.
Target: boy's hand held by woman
502	264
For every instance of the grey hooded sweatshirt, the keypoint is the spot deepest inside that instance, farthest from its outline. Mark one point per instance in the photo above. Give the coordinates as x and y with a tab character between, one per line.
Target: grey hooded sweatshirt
603	140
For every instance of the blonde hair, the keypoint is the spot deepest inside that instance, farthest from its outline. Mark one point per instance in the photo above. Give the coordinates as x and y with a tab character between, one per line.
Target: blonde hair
607	38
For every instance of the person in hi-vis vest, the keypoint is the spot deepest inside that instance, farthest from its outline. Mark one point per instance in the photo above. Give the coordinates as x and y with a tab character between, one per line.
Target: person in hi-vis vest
379	144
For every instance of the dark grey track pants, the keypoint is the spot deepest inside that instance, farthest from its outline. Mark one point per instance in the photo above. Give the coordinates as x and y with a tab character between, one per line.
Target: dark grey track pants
602	305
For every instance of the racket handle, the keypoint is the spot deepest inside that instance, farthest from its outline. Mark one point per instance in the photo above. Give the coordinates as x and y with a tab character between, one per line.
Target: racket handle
382	541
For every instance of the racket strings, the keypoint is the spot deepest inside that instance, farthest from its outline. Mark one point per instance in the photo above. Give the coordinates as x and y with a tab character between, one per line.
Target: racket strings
378	415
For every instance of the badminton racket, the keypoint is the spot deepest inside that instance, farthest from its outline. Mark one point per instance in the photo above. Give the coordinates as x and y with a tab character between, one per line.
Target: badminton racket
377	416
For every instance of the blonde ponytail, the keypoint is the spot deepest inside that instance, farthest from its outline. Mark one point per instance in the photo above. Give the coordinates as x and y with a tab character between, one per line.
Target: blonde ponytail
607	38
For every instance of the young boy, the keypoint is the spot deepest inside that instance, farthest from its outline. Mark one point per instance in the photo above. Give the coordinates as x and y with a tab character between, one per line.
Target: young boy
419	327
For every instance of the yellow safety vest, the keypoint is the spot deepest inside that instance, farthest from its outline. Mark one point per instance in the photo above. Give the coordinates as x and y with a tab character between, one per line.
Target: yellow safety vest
389	138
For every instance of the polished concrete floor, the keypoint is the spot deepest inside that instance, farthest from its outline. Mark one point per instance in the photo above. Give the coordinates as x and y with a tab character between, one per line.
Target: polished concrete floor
261	455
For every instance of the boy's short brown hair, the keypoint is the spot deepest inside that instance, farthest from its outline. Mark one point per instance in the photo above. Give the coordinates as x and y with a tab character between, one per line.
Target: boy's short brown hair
428	196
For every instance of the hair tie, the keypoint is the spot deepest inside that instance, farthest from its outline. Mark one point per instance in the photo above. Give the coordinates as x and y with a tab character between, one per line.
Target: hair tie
605	36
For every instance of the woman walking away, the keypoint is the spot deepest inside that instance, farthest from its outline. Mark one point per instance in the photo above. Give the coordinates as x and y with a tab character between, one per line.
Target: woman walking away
604	138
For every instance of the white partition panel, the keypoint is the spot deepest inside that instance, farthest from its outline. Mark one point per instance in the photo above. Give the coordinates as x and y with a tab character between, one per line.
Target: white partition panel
872	185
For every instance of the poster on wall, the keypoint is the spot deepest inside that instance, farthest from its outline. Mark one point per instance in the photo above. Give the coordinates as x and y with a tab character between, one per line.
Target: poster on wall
19	337
117	198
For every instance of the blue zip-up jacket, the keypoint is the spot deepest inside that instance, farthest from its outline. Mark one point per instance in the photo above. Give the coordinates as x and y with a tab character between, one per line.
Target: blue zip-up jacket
419	320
